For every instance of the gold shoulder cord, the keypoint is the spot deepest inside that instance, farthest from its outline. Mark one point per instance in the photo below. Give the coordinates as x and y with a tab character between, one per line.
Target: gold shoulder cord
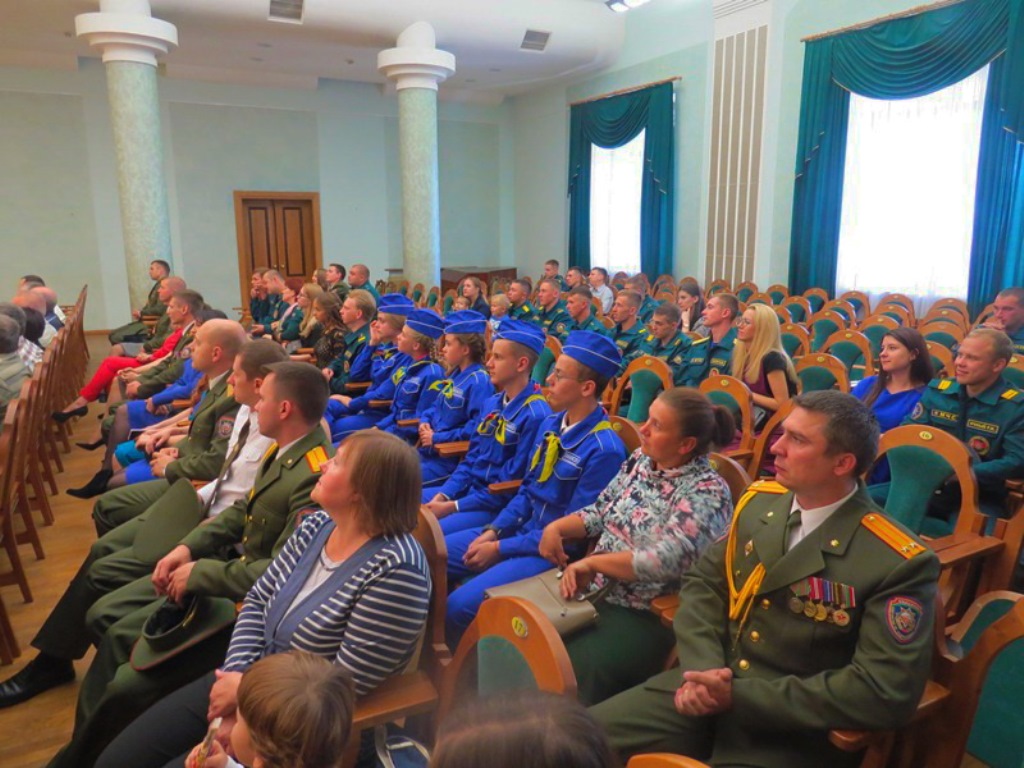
740	600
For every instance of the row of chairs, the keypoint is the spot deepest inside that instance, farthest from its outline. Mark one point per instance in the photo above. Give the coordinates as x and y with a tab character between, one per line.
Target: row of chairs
30	454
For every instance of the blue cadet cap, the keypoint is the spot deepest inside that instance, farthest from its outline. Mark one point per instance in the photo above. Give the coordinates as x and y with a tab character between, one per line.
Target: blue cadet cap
396	304
427	322
597	352
529	335
465	321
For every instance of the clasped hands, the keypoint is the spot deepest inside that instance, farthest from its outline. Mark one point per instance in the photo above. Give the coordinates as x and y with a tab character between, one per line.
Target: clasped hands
705	693
170	576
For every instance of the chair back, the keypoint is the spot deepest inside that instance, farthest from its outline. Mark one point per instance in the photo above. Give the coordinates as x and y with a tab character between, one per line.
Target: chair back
716	286
946	316
860	301
1014	371
947	334
515	647
664	760
734	395
844	308
822	325
647	376
745	290
921	459
942	358
820	371
435	655
899	298
984	316
546	361
795	340
732	472
627	432
799	308
897	312
778	292
854	350
817	298
955	305
764	438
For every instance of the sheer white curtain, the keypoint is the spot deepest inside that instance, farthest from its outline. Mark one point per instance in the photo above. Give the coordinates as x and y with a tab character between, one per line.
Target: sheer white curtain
908	193
616	177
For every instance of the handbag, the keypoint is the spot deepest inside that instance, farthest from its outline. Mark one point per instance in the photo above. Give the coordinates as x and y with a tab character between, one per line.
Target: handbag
567	616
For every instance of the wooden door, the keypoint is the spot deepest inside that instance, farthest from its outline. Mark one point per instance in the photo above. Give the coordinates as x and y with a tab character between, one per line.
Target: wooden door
277	230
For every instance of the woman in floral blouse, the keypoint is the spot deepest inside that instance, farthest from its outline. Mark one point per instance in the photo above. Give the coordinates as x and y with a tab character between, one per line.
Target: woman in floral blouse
652	522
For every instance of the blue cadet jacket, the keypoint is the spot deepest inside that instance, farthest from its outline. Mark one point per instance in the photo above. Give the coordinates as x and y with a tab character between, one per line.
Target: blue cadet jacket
567	472
458	404
706	358
413	395
385	362
992	423
499	450
554	321
354	363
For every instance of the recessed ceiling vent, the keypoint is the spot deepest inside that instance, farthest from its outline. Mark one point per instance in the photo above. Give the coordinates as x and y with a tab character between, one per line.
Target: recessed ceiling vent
535	40
724	8
288	11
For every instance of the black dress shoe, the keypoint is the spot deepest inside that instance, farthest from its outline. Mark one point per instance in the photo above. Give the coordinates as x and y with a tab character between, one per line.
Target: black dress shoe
92	446
34	679
94	487
62	416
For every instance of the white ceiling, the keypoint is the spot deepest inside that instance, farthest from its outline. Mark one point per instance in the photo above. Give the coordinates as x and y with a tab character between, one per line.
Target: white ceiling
233	40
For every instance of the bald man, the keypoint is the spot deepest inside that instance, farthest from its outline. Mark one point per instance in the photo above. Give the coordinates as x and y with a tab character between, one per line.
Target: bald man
31	300
54	316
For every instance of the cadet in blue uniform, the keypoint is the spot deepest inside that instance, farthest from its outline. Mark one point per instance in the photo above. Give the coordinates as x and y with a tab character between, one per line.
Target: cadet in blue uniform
354	363
665	341
501	447
413	381
983	410
345	414
713	354
551	312
460	399
576	456
519	295
581	315
1009	316
628	331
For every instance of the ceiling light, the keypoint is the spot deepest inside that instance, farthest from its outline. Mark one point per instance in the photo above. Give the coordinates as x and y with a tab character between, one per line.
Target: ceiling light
621	6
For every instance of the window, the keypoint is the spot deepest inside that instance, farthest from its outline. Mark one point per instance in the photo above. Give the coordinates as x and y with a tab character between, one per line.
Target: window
616	177
908	193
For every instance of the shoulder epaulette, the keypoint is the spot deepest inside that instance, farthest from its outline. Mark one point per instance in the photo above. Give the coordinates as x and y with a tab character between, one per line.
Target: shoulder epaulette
767	486
703	340
229	391
944	384
1010	394
316	458
899	541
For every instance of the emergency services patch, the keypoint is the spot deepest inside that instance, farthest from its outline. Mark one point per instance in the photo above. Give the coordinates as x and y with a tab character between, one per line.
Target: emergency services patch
979	444
903	617
918	411
224	426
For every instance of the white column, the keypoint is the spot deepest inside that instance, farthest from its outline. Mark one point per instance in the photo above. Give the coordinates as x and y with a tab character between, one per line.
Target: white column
417	66
131	39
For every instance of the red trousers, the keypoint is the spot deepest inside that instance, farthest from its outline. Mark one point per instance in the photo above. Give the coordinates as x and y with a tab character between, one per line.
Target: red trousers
105	374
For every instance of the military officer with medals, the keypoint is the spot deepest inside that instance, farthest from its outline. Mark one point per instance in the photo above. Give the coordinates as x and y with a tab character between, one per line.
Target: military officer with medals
815	612
551	312
519	296
982	409
355	362
580	309
712	355
665	341
628	333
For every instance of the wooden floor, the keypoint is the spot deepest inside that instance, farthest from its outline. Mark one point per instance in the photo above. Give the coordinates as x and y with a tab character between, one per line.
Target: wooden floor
32	732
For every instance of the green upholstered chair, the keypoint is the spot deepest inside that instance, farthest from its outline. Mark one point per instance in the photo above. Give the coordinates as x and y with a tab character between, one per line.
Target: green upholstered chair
818	371
946	338
1014	371
647	376
514	647
860	302
432	299
745	290
942	358
417	293
854	350
822	325
844	309
982	665
778	292
799	308
732	393
546	361
817	297
446	307
897	312
717	286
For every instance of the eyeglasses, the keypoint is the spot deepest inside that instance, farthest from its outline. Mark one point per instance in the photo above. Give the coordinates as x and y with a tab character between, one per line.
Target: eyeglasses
558	376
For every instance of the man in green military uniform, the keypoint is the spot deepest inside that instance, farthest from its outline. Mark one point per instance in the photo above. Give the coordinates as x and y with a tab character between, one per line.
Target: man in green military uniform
359	279
205	563
136	330
579	306
628	332
519	296
551	312
153	338
198	456
354	364
982	409
131	550
336	282
712	355
815	613
149	379
1008	316
665	341
647	302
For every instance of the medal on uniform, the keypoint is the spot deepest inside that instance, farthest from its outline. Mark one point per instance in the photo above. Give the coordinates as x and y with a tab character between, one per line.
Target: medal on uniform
796	602
830	600
847	598
810	609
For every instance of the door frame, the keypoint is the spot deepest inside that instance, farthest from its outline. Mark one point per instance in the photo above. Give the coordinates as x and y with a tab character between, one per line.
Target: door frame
241	196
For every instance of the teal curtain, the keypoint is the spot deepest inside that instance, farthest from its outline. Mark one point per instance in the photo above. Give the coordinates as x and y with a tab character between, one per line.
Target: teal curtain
610	123
899	59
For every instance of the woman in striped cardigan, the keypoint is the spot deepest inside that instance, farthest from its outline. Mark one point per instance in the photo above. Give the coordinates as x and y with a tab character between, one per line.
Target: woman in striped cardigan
351	584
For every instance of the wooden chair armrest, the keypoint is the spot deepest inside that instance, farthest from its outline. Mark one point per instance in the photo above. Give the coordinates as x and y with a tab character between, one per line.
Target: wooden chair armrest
932	700
1015	485
508	486
297	358
397	697
379	404
357	386
665	606
968	548
180	405
149	318
305	351
149	322
452	450
408	422
741	455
